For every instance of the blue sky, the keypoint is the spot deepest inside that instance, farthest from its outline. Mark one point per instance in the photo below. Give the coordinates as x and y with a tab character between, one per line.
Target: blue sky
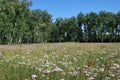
68	8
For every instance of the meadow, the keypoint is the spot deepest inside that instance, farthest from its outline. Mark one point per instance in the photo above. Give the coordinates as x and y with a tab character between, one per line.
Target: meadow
60	61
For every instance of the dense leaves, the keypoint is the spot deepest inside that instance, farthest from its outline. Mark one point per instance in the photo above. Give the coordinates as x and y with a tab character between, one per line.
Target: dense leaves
19	24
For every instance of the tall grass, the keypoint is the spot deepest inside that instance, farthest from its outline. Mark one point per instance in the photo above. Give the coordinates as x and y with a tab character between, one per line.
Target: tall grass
60	61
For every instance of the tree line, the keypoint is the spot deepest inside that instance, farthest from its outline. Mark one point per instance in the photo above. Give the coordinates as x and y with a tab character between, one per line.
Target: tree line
20	24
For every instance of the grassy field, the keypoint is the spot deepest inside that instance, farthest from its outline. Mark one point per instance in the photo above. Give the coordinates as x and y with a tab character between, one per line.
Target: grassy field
60	61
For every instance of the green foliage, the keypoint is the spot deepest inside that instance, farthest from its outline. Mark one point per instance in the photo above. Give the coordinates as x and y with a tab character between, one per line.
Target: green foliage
19	24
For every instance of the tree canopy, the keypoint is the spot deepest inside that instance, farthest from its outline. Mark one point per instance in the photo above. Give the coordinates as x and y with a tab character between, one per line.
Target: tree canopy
20	24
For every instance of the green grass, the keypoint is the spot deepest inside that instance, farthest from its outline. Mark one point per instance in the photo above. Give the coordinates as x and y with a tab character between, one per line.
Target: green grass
60	61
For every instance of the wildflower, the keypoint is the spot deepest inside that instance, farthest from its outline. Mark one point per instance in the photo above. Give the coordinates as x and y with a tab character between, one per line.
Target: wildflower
74	73
47	63
112	75
57	69
87	74
46	71
91	78
78	67
101	69
74	59
107	78
43	75
46	56
118	71
21	62
62	79
39	69
85	66
65	64
95	74
66	56
115	66
34	76
48	78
